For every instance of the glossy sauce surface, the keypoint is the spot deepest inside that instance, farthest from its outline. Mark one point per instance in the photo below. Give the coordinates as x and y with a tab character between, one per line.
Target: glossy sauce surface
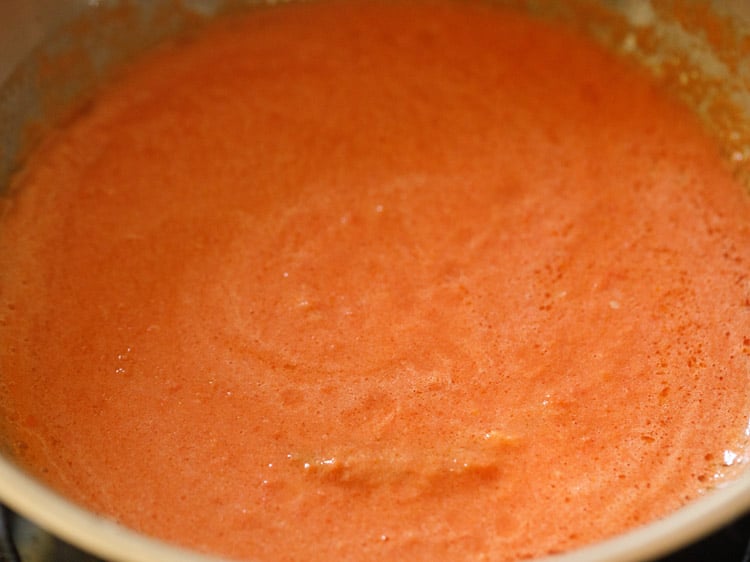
367	281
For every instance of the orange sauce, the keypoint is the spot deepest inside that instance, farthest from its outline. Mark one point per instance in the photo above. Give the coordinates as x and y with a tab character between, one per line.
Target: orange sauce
378	281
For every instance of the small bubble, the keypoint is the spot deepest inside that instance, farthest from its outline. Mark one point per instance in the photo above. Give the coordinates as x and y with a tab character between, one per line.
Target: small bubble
630	43
730	457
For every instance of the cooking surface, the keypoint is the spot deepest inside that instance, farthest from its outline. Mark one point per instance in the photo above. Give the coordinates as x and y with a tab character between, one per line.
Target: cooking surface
496	433
282	329
22	541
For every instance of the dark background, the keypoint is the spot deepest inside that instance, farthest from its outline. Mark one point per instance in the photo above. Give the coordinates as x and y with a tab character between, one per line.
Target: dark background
20	541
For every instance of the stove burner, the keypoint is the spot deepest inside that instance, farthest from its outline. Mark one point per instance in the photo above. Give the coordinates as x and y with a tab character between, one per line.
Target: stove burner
22	541
8	552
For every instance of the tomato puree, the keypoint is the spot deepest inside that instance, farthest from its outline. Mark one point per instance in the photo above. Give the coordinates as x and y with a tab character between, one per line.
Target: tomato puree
377	280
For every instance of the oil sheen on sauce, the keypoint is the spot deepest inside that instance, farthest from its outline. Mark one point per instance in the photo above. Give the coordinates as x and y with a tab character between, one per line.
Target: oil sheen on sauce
377	281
